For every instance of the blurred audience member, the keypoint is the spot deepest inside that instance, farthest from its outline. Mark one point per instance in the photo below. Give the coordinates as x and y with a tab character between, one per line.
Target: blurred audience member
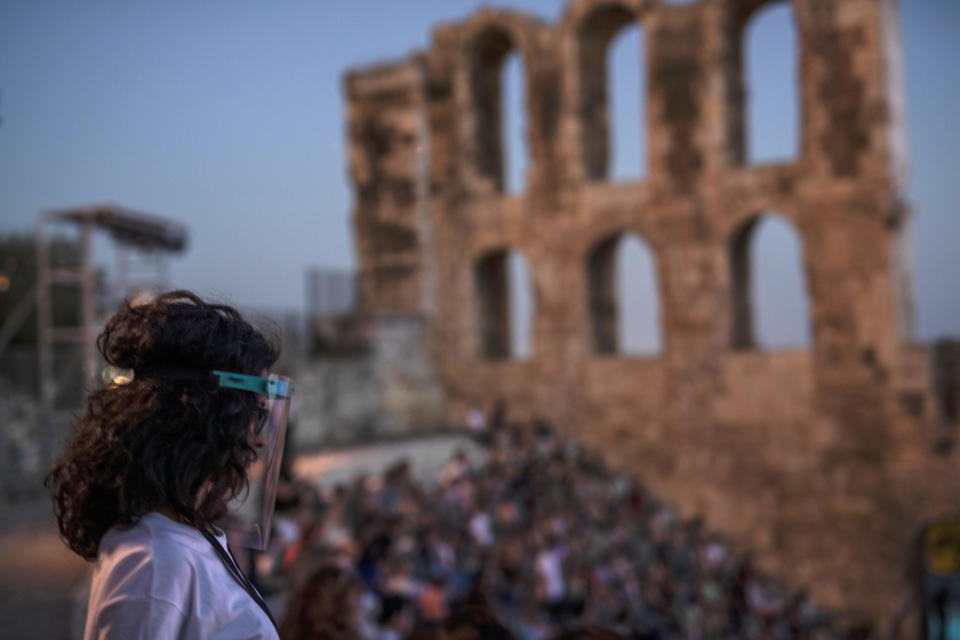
325	607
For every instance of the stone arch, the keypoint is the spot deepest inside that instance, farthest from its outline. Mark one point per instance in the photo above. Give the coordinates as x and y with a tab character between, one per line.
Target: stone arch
491	37
504	312
595	34
615	315
761	319
763	80
578	10
585	161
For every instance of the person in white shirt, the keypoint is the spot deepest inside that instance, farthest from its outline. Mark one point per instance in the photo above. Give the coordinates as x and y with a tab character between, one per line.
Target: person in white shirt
161	579
476	421
480	527
153	464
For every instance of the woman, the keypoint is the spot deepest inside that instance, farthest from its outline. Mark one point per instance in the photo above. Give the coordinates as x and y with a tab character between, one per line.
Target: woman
327	606
153	464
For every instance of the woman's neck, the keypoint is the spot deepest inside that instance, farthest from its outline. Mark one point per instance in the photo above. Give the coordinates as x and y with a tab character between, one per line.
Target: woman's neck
173	515
170	513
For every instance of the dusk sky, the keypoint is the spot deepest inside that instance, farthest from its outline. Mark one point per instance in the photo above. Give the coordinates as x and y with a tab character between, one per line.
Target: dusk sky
229	117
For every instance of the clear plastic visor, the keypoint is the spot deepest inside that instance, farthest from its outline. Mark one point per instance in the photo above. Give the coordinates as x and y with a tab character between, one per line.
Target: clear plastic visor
250	514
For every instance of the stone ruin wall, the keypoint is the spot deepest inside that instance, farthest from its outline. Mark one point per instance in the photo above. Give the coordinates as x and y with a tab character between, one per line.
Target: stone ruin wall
823	461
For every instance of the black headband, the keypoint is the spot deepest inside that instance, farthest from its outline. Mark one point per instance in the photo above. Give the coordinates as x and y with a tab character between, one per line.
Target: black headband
172	373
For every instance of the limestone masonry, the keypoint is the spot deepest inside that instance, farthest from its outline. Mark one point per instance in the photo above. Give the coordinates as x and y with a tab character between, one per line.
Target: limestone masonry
825	461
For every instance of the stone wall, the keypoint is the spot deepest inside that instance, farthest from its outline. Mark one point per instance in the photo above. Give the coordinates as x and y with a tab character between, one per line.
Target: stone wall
386	390
824	461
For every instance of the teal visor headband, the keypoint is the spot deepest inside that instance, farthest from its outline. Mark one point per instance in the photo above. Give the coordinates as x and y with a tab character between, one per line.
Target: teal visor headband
271	387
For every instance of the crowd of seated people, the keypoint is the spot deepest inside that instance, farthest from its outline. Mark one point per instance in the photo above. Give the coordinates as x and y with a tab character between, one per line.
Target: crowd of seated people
538	539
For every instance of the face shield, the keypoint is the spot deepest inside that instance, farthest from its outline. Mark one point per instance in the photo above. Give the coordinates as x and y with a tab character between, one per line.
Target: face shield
249	514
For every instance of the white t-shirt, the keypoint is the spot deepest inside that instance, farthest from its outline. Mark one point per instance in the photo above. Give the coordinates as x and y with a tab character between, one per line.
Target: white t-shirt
480	529
162	579
476	421
549	567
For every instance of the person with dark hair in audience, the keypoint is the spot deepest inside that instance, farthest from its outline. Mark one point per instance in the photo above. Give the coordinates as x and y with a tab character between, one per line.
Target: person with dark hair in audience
325	607
154	462
432	601
473	623
396	618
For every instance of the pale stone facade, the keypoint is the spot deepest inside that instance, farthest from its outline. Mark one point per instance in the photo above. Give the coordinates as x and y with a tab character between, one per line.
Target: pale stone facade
823	461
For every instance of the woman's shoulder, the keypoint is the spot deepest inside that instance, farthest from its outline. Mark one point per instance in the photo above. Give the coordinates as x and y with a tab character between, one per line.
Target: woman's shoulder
158	559
168	574
153	534
153	548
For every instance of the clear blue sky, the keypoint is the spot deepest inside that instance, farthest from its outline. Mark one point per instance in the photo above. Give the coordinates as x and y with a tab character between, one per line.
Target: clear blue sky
229	117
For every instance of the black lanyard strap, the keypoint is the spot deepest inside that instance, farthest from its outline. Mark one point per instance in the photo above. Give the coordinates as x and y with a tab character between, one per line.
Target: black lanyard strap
231	564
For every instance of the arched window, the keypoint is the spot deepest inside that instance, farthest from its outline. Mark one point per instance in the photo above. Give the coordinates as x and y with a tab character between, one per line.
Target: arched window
771	84
612	95
770	303
514	131
505	305
624	303
499	100
626	77
521	307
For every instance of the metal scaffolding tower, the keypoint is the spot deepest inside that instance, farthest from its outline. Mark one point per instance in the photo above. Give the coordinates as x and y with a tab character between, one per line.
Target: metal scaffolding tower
129	230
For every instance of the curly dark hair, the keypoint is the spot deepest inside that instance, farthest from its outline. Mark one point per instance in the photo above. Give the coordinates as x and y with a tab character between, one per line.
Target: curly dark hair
473	622
324	607
163	440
